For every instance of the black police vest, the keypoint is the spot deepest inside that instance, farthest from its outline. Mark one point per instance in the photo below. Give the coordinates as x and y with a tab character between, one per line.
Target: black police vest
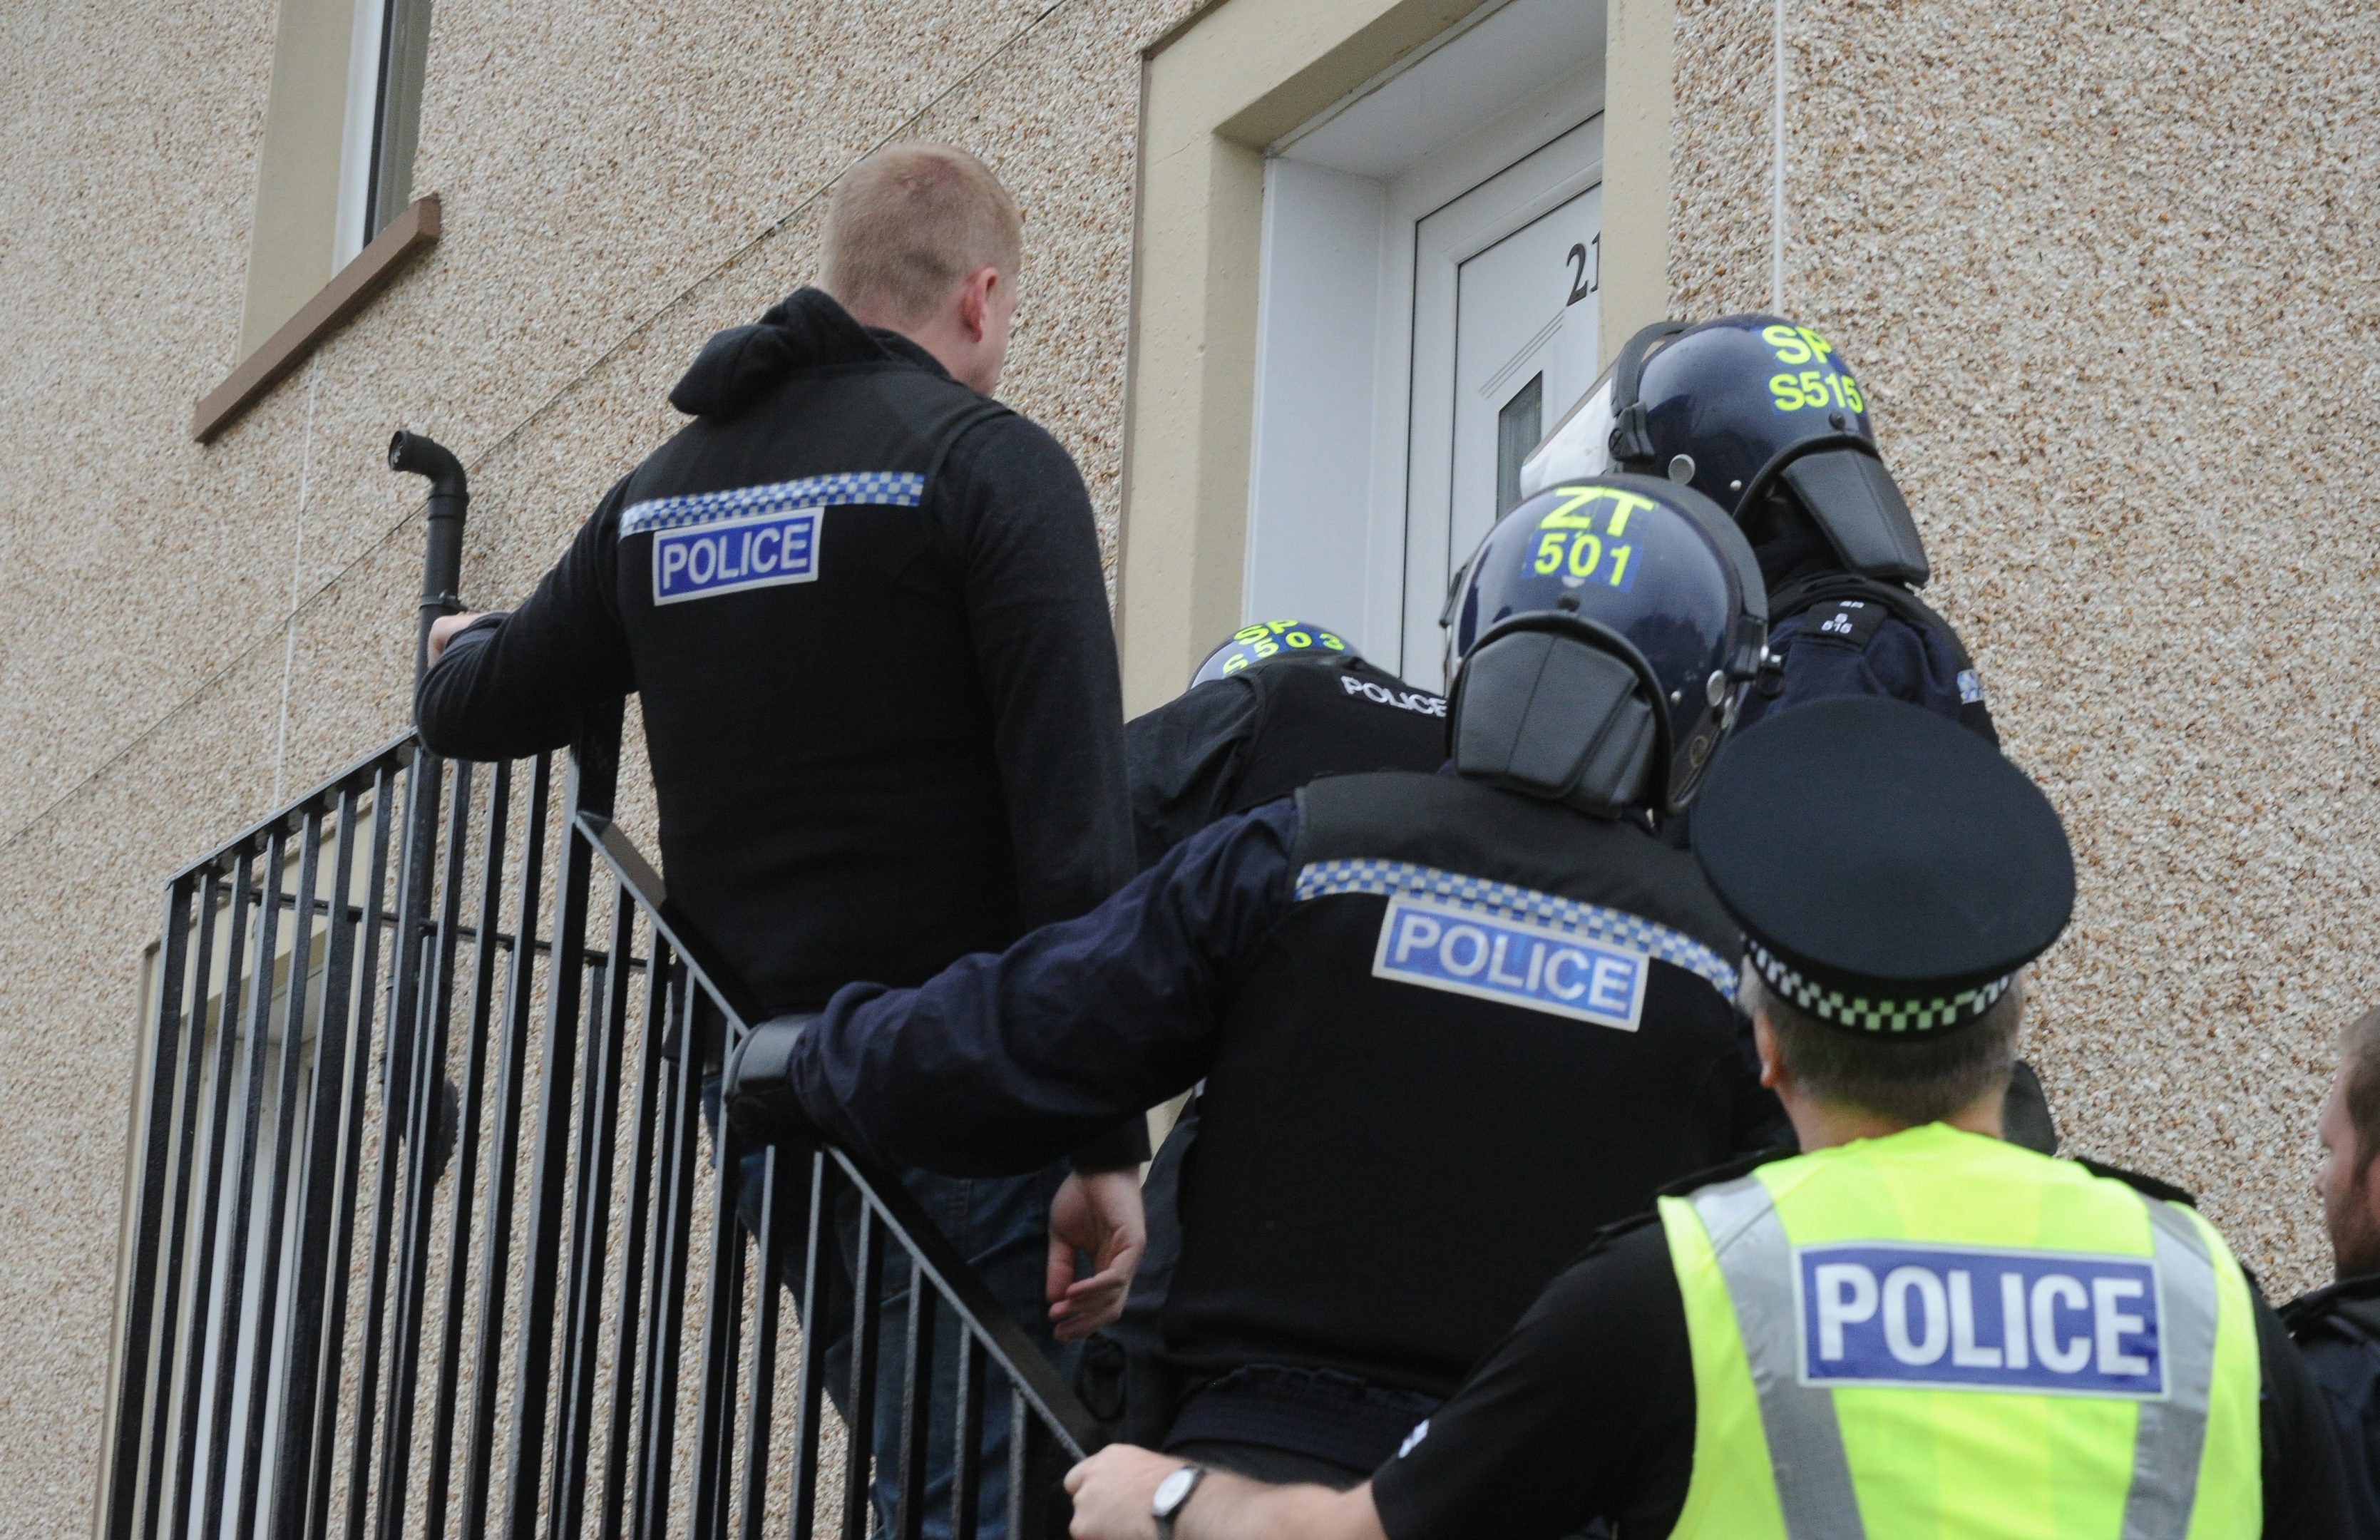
1334	717
821	740
1810	592
1411	1123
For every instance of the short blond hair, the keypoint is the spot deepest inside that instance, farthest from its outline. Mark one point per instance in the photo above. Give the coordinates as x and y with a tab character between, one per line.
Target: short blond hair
1920	1079
909	221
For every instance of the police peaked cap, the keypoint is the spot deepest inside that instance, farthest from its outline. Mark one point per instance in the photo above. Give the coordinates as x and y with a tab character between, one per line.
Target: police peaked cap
1891	871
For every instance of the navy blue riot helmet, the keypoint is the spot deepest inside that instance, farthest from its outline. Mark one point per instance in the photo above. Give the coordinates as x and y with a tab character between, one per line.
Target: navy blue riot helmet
1264	640
1599	640
1747	409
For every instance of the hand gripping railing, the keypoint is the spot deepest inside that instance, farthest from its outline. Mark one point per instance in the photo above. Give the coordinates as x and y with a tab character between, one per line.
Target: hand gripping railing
425	1198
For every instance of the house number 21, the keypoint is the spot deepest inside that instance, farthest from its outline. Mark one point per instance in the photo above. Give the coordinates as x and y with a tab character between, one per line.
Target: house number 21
1585	260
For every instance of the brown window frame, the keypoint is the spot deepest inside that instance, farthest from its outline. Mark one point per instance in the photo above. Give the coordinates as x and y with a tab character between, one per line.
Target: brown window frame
348	291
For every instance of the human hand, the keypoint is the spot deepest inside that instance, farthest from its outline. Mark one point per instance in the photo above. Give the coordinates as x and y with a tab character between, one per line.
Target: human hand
1099	1214
445	628
1112	1491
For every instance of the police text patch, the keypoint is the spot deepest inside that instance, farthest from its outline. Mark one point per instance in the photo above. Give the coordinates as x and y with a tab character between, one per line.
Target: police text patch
1511	962
1847	620
758	550
1874	1313
705	544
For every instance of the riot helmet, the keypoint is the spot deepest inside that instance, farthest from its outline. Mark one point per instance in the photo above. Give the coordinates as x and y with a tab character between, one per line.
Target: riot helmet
1746	409
1262	641
1601	639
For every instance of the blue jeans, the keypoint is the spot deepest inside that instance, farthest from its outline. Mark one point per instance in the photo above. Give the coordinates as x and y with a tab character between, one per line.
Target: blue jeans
999	1226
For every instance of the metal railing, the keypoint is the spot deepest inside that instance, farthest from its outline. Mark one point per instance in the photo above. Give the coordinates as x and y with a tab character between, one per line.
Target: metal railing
355	1304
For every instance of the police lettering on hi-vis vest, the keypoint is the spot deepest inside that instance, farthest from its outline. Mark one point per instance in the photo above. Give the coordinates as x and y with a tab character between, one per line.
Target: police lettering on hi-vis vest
1279	704
1449	1025
1765	417
1912	1327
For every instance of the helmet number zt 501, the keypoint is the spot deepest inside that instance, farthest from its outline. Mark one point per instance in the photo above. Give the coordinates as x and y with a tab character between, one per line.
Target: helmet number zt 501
1571	542
1821	387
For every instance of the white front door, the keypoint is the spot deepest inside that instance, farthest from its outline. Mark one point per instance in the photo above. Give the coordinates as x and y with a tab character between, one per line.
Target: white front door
1427	306
1506	276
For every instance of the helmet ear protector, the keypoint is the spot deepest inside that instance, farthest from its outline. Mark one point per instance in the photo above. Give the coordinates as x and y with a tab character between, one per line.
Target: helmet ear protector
1631	441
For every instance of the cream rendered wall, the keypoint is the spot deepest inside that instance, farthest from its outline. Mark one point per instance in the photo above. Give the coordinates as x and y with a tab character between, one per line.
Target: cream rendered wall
2108	280
196	633
2108	283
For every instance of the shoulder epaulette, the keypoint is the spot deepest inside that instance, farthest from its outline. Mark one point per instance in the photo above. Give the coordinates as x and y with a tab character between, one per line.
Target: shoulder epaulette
1742	1165
2149	1186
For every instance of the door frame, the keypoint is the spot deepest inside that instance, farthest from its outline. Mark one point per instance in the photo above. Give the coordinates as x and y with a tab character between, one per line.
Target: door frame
1233	77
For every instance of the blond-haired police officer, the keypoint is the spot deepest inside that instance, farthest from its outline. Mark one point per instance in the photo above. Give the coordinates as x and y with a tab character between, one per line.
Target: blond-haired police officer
1911	1328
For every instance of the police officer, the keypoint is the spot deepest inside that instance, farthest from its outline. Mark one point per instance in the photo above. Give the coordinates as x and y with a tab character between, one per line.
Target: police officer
1763	417
1280	703
1449	1025
2337	1327
861	602
1912	1327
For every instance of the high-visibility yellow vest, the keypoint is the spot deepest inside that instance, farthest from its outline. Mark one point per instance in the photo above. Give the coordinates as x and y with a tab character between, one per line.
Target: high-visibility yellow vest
1938	1334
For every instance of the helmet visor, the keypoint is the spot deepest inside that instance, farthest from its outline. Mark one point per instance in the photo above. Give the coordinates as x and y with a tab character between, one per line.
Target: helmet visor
1855	502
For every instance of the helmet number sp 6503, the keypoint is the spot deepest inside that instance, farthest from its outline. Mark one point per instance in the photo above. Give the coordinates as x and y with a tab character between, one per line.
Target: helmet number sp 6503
1269	638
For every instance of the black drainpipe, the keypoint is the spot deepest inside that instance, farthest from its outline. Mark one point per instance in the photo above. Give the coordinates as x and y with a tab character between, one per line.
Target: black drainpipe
441	568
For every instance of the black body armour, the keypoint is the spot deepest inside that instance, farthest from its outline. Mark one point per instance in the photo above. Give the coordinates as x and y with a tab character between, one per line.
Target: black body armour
761	556
1489	1027
1332	717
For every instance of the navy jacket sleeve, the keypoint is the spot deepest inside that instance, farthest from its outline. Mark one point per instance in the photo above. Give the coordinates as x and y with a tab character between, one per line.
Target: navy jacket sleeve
1182	762
1898	661
513	684
1002	1063
1045	645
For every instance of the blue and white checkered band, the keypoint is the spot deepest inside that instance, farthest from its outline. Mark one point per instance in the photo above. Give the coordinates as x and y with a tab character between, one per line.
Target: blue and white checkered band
1830	1004
1481	895
900	489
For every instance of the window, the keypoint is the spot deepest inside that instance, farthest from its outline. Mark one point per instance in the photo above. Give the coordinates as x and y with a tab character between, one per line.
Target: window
336	162
1427	306
335	214
389	44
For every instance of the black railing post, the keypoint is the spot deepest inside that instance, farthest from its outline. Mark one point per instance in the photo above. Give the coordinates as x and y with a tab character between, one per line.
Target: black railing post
593	787
136	1378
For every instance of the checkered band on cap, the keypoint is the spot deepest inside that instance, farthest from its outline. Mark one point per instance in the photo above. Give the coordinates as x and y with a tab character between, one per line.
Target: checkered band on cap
898	489
1592	922
1830	1004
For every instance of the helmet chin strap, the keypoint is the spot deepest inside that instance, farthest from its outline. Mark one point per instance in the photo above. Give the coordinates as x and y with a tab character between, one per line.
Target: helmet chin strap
1552	717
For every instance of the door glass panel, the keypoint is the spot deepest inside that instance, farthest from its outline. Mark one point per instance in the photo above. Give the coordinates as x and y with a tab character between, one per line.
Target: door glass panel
1518	428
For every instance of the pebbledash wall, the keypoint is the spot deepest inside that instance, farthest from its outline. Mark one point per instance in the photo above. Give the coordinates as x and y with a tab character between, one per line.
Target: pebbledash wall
2111	279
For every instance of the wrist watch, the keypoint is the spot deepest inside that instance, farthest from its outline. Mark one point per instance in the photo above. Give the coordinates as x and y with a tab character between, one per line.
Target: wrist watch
1172	1493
